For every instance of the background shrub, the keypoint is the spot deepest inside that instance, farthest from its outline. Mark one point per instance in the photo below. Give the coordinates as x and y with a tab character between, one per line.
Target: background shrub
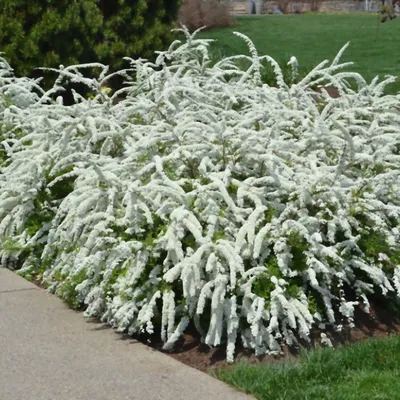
315	5
284	6
48	33
196	14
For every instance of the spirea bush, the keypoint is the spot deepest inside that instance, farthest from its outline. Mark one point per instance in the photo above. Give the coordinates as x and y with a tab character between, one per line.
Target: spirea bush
205	196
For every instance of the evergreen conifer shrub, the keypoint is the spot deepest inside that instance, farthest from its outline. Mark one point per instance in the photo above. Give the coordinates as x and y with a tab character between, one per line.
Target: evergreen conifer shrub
48	33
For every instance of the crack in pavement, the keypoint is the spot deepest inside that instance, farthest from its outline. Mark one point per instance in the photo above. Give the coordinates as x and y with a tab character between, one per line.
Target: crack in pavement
17	290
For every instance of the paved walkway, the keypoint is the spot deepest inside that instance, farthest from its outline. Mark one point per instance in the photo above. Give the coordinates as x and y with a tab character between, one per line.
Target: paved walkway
48	352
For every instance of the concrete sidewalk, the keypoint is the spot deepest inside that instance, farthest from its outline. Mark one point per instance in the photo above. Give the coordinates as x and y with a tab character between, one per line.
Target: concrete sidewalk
48	352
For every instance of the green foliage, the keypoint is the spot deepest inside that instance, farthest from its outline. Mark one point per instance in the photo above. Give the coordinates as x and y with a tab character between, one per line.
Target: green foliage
29	274
112	279
43	213
263	286
67	289
11	246
49	33
298	247
19	252
5	102
269	214
220	234
373	243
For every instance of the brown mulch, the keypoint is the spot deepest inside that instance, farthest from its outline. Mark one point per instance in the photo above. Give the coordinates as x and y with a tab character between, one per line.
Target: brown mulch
379	323
39	283
333	92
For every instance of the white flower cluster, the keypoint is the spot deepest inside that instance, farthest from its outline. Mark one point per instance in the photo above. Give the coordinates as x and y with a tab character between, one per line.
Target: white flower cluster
205	196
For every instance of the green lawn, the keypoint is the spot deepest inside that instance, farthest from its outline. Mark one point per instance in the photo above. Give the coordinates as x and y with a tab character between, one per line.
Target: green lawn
365	371
313	38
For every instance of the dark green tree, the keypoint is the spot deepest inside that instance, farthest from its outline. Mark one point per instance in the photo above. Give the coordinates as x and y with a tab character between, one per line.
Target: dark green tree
48	33
135	27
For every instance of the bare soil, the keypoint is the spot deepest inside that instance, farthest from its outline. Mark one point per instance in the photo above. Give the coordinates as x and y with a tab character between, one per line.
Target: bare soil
379	323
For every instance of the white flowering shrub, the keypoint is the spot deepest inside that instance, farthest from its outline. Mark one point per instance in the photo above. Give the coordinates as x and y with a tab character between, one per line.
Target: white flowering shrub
205	196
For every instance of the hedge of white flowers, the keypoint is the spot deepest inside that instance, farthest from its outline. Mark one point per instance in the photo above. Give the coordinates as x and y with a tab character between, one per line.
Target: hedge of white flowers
204	196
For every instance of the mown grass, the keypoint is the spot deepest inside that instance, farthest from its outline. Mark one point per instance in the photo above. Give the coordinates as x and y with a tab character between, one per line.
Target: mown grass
364	371
313	38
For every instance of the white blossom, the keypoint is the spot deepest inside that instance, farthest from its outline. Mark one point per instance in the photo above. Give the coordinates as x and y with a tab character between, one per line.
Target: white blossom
204	195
